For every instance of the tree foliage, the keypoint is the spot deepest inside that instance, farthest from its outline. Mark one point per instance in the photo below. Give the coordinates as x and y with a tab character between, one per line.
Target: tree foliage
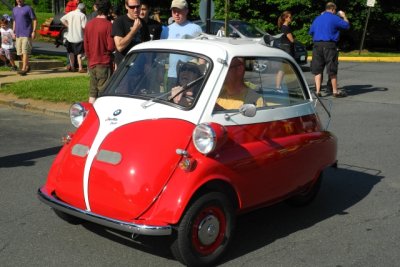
265	13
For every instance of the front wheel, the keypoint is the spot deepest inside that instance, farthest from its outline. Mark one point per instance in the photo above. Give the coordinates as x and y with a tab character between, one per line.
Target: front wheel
205	230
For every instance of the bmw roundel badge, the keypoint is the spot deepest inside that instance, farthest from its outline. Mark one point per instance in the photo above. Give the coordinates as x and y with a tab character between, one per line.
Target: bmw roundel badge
117	112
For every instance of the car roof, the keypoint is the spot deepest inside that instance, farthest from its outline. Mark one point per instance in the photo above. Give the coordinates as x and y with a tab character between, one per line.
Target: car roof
216	47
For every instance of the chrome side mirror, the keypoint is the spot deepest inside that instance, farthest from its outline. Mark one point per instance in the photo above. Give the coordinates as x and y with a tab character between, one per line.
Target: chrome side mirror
247	110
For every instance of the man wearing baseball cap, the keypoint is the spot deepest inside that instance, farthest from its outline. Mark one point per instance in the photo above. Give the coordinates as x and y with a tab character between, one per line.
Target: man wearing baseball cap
182	28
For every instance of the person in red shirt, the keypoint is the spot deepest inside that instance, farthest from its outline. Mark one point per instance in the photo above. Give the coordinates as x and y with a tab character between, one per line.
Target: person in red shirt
71	5
99	46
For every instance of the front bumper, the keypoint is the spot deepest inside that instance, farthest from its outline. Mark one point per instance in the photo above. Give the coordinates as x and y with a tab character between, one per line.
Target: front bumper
134	228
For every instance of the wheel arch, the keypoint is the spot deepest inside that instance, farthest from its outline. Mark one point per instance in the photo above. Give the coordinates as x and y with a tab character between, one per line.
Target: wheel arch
217	185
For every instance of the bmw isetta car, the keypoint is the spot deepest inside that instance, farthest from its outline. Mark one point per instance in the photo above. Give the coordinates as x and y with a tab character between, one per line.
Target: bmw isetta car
166	150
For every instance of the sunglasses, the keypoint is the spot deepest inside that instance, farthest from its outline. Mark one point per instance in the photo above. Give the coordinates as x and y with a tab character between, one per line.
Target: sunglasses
135	6
187	67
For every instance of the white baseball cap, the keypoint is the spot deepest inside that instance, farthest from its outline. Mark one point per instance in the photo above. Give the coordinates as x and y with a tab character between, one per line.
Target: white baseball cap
181	4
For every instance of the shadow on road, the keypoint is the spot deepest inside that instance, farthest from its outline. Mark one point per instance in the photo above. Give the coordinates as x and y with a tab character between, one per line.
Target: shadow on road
341	189
27	158
362	89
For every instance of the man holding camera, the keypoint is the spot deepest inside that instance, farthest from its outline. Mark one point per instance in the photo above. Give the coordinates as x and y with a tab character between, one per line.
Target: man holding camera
325	31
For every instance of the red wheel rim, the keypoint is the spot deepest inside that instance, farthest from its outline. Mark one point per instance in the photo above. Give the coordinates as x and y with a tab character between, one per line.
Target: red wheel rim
208	230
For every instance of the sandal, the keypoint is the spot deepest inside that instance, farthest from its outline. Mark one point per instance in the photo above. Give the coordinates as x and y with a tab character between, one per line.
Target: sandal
339	94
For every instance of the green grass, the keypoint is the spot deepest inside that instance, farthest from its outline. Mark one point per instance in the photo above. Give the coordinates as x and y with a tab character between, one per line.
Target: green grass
68	90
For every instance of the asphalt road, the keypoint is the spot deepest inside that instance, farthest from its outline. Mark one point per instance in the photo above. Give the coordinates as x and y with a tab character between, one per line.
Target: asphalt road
354	221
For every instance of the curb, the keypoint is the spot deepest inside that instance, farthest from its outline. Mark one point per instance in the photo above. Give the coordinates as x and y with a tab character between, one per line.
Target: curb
370	59
27	106
31	105
366	59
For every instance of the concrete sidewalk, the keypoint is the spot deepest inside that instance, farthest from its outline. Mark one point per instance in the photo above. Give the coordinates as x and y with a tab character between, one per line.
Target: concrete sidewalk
50	108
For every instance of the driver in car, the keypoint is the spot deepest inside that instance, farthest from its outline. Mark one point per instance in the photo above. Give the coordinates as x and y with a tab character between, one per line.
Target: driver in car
187	72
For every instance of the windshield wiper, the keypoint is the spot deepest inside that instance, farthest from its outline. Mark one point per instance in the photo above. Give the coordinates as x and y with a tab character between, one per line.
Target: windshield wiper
184	88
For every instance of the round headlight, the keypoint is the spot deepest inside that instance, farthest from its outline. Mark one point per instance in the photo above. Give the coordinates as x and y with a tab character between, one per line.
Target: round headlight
77	113
204	138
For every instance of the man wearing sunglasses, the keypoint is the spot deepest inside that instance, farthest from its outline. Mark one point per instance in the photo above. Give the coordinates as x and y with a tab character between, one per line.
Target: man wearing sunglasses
129	30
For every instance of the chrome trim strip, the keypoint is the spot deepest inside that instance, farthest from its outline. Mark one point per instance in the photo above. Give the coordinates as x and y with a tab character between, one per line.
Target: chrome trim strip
80	150
109	157
140	229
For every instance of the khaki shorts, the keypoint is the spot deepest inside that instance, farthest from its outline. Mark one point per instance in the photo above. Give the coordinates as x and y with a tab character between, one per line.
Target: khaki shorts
98	77
23	45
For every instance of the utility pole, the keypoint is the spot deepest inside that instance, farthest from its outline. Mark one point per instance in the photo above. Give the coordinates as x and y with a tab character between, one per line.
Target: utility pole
208	17
370	3
227	18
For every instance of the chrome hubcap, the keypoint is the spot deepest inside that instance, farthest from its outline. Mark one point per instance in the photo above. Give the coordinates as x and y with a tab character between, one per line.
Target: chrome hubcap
208	230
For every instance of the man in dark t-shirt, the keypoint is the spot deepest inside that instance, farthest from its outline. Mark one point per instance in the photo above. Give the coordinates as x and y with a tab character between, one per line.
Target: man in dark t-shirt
129	30
153	26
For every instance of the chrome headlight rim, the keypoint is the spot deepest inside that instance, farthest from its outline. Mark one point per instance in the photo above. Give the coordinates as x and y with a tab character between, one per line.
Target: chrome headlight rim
204	138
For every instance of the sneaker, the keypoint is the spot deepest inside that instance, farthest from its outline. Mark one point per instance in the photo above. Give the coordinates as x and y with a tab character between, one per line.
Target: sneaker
22	72
82	71
319	94
14	68
339	94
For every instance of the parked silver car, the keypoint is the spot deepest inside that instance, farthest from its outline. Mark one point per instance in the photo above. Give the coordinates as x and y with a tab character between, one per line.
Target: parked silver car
242	29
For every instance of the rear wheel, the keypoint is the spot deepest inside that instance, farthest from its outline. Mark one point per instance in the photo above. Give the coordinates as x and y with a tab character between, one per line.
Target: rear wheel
205	230
308	195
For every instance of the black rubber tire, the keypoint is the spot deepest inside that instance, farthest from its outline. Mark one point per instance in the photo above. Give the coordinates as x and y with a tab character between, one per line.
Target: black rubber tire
307	196
68	218
215	211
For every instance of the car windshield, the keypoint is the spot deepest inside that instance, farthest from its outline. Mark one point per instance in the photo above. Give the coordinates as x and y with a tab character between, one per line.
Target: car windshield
159	76
247	29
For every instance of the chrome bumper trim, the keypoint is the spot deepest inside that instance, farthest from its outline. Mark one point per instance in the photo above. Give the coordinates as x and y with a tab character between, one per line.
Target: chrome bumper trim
140	229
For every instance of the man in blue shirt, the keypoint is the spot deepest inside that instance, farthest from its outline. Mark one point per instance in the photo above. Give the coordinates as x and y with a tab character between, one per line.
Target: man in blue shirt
182	28
325	31
24	27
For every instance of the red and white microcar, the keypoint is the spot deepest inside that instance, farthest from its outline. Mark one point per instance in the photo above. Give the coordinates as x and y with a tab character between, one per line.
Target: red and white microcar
158	154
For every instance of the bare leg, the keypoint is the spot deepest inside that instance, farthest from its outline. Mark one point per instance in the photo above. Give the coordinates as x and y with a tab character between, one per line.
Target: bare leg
279	77
317	79
25	62
79	58
92	99
334	83
72	61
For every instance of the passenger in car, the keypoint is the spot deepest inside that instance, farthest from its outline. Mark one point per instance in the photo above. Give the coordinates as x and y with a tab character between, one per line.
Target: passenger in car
235	91
188	72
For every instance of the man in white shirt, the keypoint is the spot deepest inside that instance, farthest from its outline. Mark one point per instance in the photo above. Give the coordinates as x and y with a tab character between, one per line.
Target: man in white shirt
76	22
